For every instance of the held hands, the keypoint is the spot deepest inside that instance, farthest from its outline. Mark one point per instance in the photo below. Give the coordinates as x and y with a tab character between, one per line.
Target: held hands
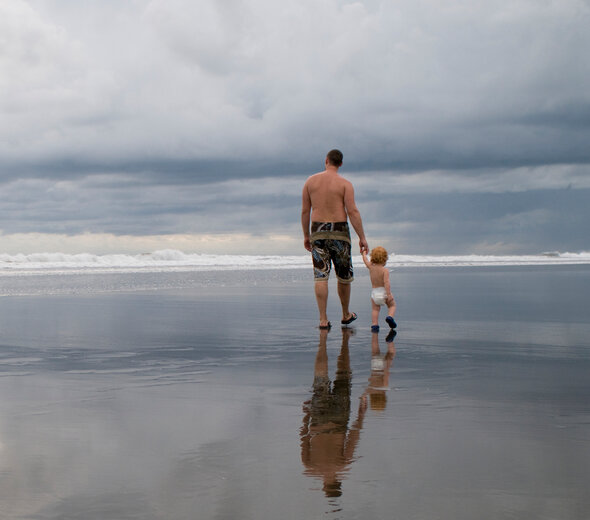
364	246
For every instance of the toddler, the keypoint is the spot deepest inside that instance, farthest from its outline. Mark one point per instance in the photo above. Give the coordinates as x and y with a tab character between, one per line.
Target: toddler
381	293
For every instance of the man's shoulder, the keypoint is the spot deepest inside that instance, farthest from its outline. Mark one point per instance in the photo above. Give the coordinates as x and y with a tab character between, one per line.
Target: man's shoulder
330	182
344	181
317	175
325	176
317	179
344	184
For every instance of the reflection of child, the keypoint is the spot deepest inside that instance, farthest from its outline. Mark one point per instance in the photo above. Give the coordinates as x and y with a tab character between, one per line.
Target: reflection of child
381	293
380	366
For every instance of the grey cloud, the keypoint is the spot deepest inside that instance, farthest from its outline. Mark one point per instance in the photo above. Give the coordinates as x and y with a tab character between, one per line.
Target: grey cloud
117	204
418	221
181	116
479	180
533	221
441	86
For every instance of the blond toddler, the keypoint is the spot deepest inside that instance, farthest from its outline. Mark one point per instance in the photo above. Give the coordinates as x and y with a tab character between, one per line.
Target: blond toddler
381	292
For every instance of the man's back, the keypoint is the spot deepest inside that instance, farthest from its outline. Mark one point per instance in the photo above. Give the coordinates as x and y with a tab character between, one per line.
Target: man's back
327	192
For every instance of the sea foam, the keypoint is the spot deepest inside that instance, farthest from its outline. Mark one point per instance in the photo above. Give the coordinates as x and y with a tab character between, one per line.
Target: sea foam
174	260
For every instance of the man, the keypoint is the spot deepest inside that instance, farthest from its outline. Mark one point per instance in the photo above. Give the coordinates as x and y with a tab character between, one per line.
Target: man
327	204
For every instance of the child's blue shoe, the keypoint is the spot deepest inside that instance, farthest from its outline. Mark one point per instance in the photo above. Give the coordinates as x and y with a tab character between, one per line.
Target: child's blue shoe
391	322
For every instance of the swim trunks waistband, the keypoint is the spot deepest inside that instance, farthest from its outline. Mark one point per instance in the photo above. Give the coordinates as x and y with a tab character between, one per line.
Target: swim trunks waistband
330	230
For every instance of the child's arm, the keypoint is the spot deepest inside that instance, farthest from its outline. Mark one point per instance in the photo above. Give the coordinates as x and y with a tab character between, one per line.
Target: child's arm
366	260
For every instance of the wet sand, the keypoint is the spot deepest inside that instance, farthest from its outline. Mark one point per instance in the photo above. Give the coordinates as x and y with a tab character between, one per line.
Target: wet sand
195	395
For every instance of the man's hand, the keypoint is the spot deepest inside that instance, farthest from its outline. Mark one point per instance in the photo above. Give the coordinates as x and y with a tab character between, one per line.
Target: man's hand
307	243
363	245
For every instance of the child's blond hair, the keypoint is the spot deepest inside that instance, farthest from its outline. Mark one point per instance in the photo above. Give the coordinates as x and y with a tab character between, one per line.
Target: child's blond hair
379	255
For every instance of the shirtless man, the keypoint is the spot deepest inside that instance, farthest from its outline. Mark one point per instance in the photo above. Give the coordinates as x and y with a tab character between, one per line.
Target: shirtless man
327	205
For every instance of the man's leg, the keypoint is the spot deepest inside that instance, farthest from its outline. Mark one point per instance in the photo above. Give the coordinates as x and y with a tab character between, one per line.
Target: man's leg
344	294
321	296
343	268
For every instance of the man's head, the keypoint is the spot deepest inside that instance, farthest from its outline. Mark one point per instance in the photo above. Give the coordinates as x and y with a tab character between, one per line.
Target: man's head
334	158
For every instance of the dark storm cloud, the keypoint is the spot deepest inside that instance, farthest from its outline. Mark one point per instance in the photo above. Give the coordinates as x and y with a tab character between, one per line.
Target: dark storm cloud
522	222
173	87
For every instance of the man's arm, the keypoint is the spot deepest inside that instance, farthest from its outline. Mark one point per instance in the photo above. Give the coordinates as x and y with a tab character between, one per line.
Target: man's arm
355	216
306	216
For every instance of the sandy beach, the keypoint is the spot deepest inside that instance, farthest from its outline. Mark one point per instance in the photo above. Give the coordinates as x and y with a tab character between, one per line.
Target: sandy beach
214	395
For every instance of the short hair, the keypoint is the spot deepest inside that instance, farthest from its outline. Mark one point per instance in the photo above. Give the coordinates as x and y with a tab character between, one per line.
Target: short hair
379	255
335	158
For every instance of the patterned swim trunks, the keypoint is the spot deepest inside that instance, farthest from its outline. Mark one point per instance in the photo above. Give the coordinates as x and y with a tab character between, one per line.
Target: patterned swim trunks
330	243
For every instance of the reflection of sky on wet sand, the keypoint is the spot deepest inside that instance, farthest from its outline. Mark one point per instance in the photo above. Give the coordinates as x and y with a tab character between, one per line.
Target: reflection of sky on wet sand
180	404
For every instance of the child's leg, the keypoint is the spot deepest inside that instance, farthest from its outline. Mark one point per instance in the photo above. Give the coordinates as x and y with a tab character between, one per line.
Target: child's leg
391	312
391	308
375	313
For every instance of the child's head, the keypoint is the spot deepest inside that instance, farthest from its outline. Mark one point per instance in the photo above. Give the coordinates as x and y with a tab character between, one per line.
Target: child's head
379	256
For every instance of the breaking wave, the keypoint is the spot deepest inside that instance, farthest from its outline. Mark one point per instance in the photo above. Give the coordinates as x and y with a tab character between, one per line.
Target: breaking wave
173	260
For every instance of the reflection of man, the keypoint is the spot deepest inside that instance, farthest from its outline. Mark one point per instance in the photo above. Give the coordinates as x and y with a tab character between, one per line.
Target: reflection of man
380	365
327	441
327	204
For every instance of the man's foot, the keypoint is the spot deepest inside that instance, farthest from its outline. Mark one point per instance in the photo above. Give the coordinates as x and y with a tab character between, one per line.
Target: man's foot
350	319
326	326
374	328
391	322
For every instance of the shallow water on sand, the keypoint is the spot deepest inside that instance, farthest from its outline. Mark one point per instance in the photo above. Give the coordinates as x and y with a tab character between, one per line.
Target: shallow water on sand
198	395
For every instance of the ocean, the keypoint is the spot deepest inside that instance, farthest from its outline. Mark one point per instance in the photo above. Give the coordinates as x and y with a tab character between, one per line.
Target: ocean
173	260
172	386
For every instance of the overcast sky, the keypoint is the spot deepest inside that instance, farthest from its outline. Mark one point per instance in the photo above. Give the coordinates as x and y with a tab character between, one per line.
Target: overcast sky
136	125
